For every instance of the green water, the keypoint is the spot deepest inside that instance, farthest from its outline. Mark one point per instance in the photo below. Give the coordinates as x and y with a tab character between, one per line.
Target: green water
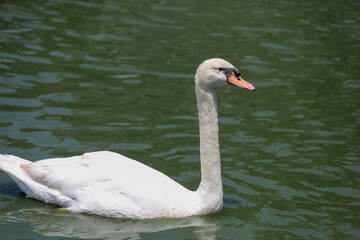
79	76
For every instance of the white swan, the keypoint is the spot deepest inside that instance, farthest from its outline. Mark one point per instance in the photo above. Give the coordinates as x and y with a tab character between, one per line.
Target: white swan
109	184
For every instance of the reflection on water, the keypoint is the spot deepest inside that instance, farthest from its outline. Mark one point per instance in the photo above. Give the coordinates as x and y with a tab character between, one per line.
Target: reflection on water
49	221
78	76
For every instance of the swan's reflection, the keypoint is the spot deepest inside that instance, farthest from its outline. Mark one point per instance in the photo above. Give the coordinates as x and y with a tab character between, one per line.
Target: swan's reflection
49	221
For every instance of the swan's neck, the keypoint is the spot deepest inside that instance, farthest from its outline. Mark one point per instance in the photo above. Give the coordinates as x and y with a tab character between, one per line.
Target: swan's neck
210	189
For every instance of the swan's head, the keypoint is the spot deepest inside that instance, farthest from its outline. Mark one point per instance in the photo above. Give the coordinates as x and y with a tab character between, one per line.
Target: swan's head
217	72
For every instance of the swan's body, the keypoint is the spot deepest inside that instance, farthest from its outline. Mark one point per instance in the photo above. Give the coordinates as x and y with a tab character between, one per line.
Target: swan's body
109	184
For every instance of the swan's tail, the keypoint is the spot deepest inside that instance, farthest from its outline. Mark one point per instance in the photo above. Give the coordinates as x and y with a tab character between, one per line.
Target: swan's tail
8	162
11	165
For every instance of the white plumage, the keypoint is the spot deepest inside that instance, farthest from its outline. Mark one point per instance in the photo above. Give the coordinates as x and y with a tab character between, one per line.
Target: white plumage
109	184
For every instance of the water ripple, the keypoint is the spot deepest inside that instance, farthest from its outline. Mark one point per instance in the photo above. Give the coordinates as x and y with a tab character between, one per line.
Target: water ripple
23	102
30	59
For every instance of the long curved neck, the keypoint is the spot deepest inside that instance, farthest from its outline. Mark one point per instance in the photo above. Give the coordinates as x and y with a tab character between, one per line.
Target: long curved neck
210	188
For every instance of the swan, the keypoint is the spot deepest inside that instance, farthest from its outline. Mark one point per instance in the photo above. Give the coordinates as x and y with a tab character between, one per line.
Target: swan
109	184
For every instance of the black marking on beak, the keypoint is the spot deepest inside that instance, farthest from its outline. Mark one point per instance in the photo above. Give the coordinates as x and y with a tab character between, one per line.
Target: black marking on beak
229	71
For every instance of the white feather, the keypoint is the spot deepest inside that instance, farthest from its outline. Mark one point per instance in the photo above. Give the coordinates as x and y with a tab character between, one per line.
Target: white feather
109	184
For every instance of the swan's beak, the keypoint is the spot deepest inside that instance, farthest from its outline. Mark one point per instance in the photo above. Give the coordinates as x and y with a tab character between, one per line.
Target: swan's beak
239	82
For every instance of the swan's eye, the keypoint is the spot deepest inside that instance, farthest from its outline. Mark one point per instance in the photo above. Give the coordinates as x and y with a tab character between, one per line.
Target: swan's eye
221	69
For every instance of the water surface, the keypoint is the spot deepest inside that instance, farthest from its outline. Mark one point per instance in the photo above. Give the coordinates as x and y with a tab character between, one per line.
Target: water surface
79	76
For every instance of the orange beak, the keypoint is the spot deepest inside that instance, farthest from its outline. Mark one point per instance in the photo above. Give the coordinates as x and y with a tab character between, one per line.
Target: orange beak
239	82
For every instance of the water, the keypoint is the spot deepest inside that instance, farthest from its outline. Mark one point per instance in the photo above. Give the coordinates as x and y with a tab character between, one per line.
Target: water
113	75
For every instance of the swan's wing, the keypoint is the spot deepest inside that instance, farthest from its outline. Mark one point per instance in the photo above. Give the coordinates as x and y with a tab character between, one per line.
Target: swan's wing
58	173
75	172
111	170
